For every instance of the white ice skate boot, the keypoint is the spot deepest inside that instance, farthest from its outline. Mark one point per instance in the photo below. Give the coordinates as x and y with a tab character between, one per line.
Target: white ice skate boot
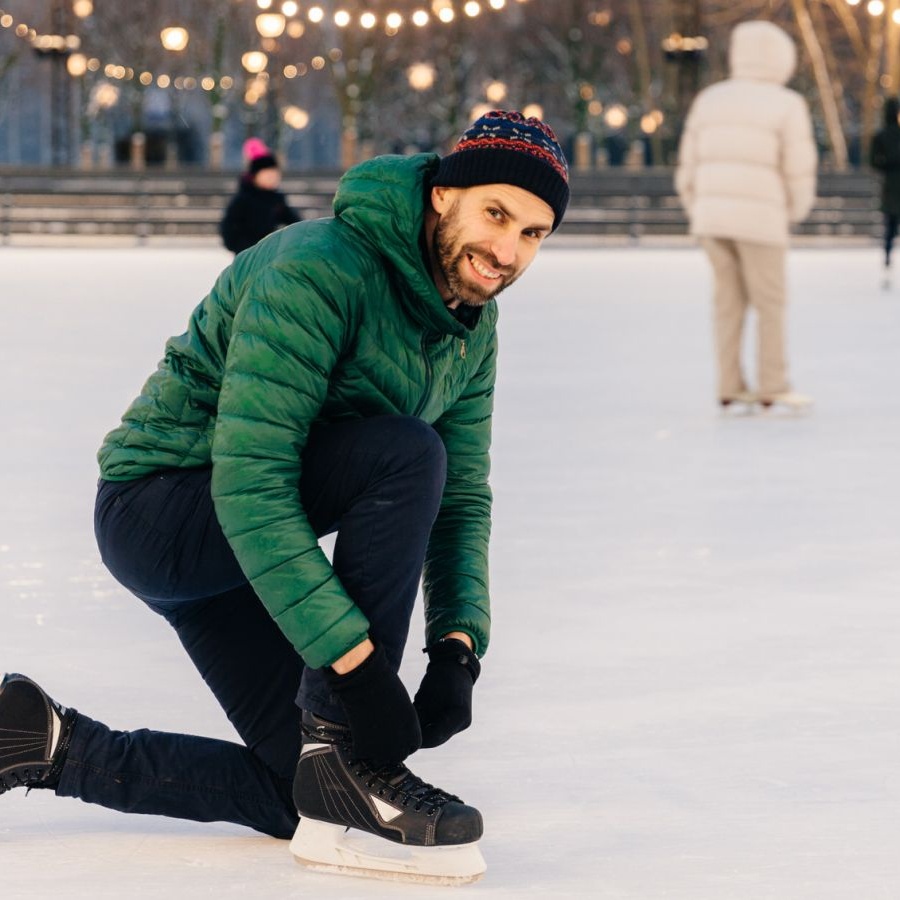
378	821
740	403
788	400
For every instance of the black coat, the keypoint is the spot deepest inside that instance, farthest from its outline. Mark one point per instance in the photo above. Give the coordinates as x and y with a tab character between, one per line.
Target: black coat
885	157
252	214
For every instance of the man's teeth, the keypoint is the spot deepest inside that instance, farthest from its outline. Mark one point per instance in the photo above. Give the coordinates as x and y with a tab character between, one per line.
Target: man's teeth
482	271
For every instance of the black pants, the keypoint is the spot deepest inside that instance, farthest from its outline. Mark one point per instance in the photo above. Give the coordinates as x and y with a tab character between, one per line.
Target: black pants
890	232
378	483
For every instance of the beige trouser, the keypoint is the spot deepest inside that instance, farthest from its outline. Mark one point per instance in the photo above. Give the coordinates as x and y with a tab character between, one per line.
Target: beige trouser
748	274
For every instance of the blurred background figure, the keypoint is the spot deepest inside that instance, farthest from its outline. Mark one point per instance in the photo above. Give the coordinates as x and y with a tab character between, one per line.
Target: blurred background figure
884	156
746	170
259	207
252	149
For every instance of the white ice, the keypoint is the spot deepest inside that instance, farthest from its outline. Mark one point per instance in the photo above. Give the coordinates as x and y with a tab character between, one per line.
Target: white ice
693	689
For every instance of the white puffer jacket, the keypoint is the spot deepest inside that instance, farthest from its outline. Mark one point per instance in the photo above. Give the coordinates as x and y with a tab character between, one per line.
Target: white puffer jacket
747	159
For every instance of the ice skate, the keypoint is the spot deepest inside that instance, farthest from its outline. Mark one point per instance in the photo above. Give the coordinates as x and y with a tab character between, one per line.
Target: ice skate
787	400
34	735
378	821
740	403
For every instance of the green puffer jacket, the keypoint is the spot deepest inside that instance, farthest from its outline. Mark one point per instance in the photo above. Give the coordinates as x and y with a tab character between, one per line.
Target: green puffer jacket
325	320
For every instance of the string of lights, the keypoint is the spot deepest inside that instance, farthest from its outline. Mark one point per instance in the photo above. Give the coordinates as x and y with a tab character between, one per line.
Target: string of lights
270	25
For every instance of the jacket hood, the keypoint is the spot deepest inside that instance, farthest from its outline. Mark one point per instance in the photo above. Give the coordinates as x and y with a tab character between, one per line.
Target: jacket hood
761	51
383	200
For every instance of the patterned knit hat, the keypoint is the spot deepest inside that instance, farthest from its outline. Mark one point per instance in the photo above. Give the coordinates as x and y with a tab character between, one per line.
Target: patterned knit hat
503	147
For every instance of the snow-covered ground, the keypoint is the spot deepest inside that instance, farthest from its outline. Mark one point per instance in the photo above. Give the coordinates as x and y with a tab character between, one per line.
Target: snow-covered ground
693	690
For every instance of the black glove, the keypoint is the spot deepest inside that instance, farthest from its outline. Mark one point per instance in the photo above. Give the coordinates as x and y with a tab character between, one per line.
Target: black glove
444	699
382	719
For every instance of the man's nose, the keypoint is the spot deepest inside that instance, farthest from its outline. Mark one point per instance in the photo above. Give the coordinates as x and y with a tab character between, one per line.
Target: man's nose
504	248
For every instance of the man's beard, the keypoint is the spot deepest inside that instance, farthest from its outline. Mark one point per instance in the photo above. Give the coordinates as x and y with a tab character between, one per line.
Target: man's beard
450	261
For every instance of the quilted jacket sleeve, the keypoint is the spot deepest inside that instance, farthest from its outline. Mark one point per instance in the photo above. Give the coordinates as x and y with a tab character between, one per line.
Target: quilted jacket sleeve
456	563
287	338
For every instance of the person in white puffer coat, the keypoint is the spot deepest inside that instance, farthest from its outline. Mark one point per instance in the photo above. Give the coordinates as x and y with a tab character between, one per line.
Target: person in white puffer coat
746	171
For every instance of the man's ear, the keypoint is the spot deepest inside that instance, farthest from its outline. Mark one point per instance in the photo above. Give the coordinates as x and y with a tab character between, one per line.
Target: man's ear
440	199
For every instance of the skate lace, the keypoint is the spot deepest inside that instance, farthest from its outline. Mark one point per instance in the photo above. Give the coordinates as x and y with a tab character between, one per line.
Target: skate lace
397	784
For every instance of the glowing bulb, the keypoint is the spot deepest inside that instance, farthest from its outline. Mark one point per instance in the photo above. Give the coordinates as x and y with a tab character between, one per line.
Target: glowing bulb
174	38
296	117
254	61
616	116
420	76
270	25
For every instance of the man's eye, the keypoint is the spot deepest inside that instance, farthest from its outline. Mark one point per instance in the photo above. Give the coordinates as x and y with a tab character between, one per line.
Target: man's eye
495	213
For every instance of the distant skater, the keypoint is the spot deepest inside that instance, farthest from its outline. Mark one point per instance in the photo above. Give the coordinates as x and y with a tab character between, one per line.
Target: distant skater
259	207
746	170
884	157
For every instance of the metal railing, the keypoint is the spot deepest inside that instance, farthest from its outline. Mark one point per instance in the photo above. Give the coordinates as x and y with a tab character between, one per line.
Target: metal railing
619	202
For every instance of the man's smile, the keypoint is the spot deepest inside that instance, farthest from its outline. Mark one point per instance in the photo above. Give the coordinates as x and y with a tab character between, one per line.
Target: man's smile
482	269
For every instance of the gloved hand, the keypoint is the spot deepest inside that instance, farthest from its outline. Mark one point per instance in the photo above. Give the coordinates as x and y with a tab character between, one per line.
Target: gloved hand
444	699
382	719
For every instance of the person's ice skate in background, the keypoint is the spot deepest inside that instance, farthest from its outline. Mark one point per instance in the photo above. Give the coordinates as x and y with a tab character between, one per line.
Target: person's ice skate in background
339	377
746	170
884	157
259	207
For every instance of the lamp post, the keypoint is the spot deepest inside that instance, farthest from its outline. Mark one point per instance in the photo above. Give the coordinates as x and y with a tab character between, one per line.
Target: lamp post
271	27
103	97
175	39
56	48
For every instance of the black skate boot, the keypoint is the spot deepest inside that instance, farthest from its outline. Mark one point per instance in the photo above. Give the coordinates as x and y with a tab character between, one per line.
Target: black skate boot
334	792
35	732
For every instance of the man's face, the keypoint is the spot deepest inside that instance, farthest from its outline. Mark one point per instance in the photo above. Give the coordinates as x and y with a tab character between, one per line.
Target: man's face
485	238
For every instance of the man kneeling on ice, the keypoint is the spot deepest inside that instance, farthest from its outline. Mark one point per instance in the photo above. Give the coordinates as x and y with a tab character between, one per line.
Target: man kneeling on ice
338	377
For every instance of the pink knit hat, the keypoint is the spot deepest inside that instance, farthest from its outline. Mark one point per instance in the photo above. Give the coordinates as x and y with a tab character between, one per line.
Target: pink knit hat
254	148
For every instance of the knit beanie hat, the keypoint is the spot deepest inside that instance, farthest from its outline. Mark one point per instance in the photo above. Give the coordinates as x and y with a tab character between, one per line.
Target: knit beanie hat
262	162
503	147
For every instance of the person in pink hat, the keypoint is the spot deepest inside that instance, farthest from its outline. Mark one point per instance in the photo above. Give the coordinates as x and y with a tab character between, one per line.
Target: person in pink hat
259	207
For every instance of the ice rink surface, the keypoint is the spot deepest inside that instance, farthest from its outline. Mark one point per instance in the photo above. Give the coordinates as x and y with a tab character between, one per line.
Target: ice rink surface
693	690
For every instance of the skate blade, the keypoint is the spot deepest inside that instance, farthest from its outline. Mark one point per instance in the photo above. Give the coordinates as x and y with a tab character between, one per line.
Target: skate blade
786	410
324	847
739	409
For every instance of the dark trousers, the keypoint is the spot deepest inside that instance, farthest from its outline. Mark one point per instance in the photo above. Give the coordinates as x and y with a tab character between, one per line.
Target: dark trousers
890	232
378	483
